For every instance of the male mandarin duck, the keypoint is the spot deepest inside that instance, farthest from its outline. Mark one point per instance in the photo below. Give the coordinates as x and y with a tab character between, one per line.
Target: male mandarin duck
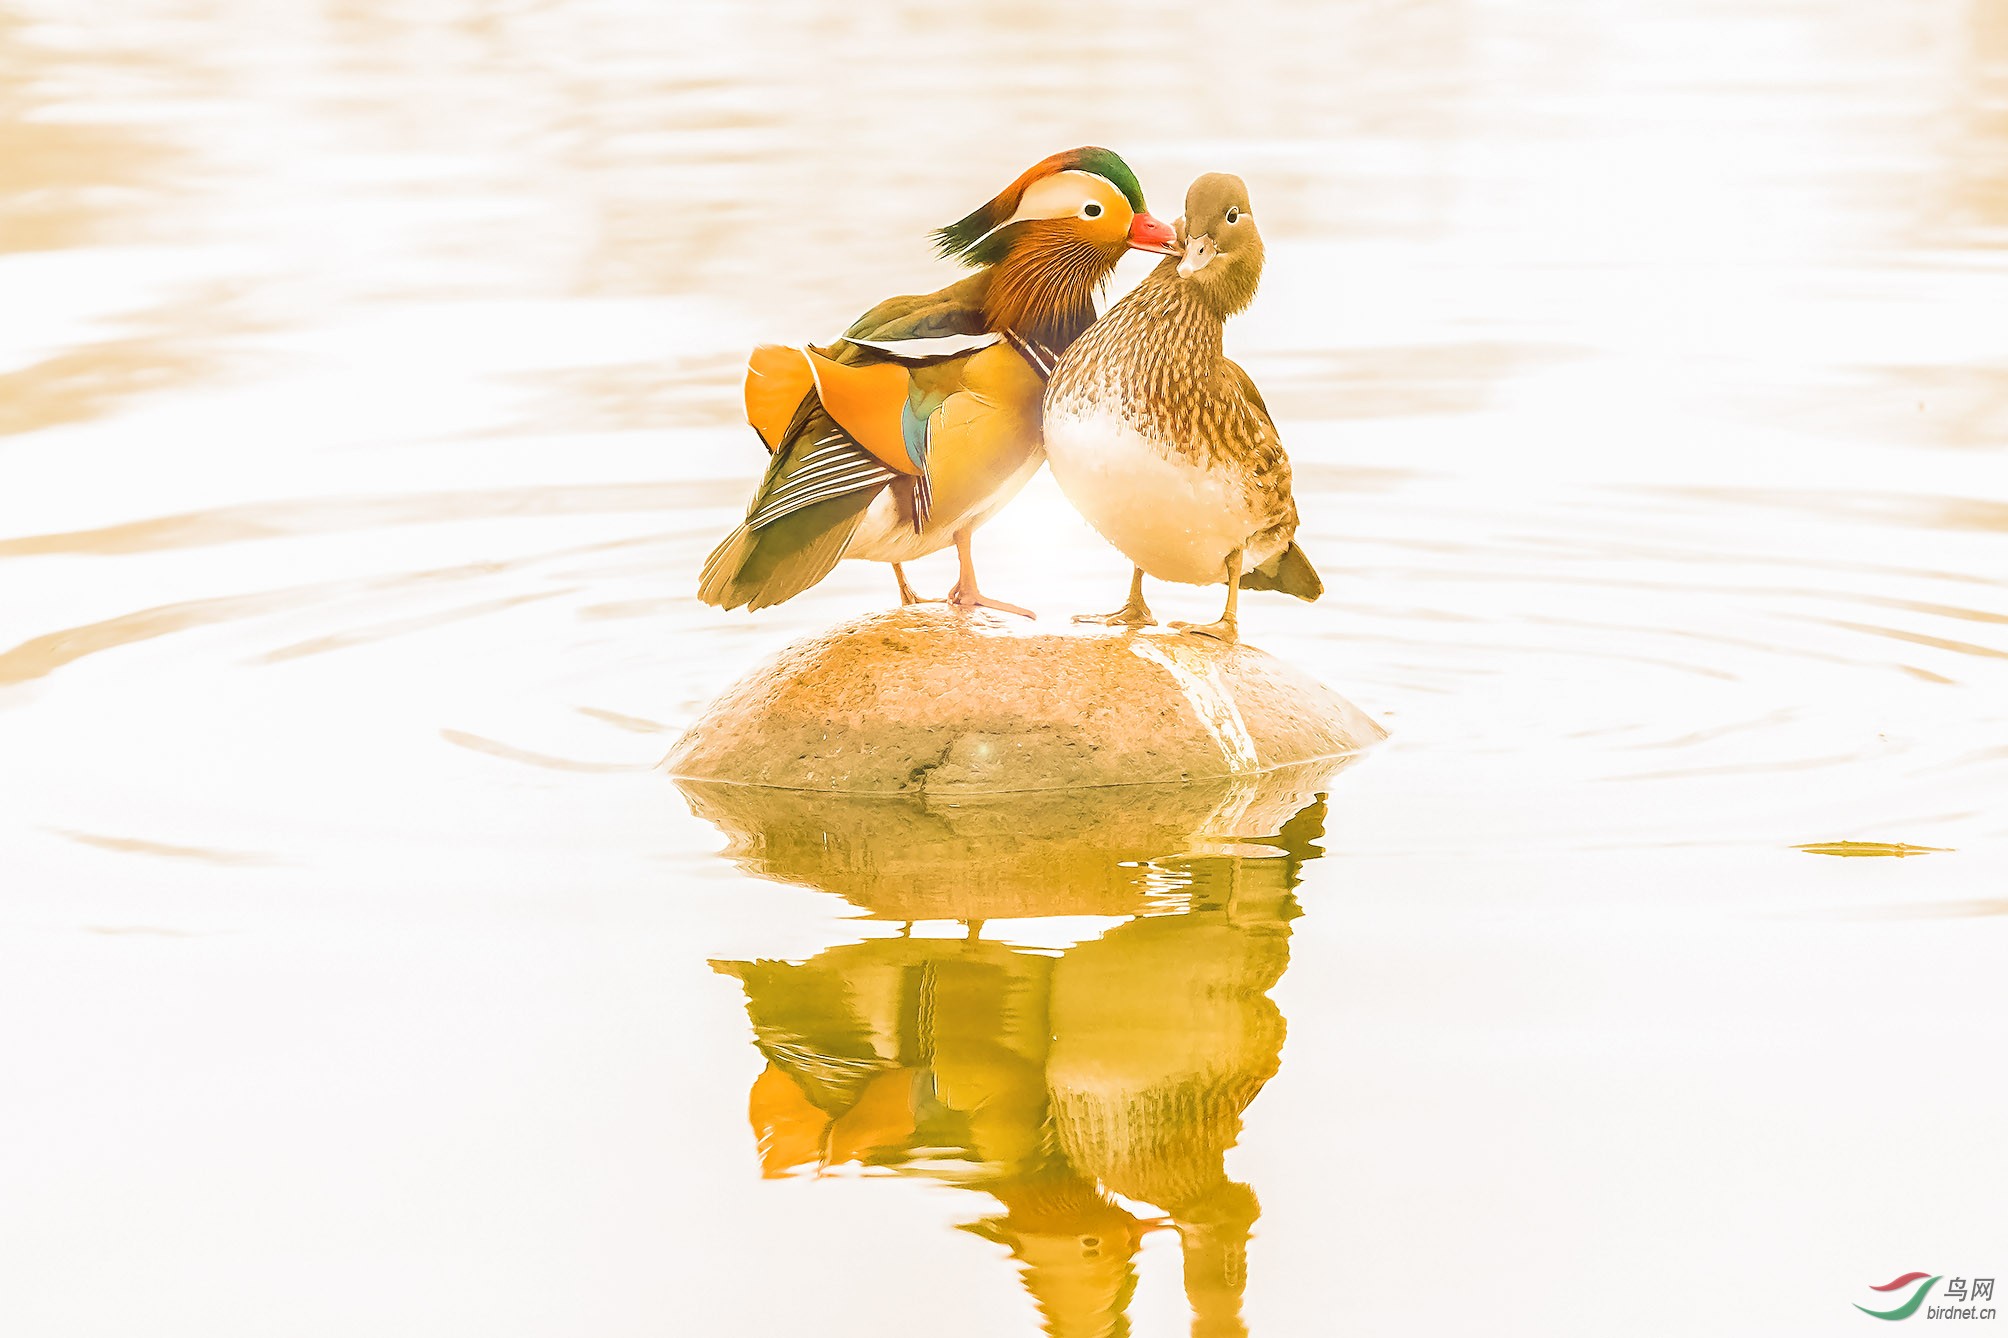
1163	443
923	420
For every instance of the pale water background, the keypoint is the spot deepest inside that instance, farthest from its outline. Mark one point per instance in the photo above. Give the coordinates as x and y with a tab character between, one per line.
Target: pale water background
368	376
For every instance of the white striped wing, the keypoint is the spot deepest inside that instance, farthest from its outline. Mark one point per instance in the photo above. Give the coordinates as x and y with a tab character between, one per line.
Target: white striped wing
922	350
832	466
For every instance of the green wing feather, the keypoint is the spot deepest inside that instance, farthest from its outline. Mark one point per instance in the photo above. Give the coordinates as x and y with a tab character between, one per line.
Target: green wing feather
954	310
801	518
756	568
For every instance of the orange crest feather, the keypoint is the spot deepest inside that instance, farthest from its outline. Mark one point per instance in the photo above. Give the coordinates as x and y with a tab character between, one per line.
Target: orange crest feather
776	379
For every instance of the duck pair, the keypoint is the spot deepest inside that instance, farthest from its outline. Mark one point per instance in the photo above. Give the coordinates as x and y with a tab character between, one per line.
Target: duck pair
931	412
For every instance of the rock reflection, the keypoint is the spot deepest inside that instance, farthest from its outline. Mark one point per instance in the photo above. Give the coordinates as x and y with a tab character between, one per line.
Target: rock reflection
1089	1095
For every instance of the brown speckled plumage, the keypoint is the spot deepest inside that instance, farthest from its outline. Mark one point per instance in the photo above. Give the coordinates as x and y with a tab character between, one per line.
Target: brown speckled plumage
1162	441
1156	356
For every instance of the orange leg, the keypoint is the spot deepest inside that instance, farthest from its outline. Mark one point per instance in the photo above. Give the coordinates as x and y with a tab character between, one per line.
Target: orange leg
965	595
1224	629
1135	613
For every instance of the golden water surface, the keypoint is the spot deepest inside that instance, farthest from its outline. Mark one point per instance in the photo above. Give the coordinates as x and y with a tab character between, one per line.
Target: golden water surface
368	400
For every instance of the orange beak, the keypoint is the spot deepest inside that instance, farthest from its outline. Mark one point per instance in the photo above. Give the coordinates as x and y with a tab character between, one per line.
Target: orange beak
1153	235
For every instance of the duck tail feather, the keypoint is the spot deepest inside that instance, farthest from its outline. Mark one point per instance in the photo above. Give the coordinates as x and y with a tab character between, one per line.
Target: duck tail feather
755	568
1290	572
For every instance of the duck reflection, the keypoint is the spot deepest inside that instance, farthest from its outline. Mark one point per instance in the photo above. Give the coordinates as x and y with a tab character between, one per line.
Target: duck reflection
1089	1095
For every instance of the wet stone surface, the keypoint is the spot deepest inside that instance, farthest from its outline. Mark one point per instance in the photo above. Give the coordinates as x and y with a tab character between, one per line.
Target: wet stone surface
929	701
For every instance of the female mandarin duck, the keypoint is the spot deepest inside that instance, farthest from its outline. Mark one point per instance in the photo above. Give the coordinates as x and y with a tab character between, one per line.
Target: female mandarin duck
923	420
1163	443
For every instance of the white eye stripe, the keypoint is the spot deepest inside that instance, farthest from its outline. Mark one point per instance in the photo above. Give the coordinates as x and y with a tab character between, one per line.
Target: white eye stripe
1056	196
1060	195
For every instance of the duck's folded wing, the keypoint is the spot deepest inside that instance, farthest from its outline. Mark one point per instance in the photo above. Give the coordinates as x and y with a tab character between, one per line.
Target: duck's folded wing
1255	430
841	430
1251	397
934	338
926	329
816	490
1290	571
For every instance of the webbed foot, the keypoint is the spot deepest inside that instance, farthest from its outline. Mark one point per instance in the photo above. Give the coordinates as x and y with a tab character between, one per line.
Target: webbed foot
972	598
1133	614
1224	629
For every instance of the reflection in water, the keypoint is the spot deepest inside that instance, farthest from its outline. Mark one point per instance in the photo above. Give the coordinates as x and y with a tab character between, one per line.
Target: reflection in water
1090	1095
368	392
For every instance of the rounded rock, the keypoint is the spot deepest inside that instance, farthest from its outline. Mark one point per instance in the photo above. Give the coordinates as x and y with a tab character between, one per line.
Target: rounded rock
932	701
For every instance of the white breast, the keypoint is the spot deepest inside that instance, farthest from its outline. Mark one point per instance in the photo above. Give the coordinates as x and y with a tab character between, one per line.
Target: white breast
1170	514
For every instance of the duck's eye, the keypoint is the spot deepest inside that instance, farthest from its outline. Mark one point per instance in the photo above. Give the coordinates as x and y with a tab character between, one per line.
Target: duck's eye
1091	210
1233	213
